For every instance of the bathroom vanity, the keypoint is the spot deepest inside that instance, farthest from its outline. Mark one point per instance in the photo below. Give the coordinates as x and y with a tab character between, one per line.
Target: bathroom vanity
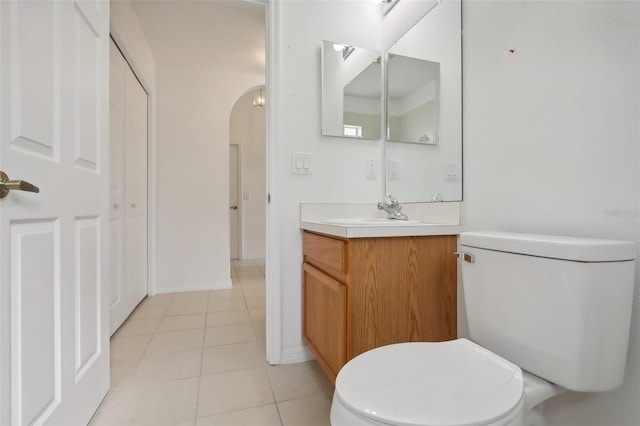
366	292
368	281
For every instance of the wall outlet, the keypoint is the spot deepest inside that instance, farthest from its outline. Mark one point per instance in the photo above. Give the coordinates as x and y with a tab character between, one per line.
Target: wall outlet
451	170
372	168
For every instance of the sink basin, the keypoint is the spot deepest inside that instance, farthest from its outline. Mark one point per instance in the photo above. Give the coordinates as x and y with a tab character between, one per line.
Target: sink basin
370	221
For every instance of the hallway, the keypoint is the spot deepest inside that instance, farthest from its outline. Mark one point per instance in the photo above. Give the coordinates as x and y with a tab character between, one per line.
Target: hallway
198	359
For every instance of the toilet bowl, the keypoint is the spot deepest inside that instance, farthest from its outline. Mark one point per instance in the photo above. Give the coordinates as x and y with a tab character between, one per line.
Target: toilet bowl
446	383
524	294
450	383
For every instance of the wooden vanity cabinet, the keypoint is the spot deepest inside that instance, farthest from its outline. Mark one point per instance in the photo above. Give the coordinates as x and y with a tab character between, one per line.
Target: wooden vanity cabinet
362	293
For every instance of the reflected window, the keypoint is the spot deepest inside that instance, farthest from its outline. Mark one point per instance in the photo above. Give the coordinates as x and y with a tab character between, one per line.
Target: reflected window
353	131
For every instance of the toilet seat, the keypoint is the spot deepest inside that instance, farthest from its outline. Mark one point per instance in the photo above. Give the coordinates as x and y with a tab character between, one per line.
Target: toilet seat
450	383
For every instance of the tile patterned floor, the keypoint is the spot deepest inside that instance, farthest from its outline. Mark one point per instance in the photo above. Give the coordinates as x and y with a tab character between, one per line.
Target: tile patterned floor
198	359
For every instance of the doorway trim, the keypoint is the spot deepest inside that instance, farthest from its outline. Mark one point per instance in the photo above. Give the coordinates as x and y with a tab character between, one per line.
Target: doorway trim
273	263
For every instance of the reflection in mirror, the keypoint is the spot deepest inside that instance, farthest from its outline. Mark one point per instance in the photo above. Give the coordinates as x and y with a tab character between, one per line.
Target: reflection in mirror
351	91
412	99
429	169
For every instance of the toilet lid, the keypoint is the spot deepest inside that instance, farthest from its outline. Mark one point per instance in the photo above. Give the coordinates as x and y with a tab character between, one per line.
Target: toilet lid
424	383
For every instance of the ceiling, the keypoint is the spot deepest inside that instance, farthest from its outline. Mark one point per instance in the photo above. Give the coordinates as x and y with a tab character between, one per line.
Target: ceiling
228	32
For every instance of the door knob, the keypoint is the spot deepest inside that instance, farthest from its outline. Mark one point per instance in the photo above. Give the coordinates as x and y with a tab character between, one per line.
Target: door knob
6	185
234	207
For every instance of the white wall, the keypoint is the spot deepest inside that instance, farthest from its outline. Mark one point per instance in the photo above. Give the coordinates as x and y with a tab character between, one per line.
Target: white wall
551	141
207	55
550	138
248	132
338	164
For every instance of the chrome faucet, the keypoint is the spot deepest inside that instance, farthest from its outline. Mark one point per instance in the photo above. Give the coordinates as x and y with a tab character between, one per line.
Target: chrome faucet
392	207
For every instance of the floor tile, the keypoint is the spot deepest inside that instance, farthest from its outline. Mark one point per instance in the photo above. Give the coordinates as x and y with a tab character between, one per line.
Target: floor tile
257	314
311	410
255	302
182	322
161	366
215	319
228	334
109	409
253	276
176	341
178	372
265	415
236	390
189	297
130	347
250	292
295	380
251	281
238	356
122	371
135	327
149	311
226	304
187	308
230	293
157	300
163	403
260	330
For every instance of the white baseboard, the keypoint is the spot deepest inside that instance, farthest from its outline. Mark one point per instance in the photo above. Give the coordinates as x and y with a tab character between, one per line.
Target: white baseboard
297	354
184	287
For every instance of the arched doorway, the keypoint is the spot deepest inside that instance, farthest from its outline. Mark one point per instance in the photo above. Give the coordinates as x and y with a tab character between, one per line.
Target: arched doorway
247	177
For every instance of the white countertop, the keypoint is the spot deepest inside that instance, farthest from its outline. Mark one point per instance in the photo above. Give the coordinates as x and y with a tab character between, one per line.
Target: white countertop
360	231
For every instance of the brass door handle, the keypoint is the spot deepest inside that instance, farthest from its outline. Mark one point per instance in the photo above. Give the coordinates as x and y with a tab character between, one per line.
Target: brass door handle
6	185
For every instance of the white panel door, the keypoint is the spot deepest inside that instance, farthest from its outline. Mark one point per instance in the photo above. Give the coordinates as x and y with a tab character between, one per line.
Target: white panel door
128	211
234	210
54	335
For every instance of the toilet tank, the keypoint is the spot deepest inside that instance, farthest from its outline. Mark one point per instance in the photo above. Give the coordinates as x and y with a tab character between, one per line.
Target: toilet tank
558	307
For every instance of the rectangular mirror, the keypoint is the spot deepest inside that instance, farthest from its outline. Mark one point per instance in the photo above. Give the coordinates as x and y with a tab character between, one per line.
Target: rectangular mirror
351	91
424	107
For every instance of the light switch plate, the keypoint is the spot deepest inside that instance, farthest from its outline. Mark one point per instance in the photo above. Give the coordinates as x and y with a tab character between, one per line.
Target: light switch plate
394	169
372	168
301	163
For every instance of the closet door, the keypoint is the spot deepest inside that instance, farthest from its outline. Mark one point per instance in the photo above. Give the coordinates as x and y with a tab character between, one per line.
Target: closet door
135	160
128	224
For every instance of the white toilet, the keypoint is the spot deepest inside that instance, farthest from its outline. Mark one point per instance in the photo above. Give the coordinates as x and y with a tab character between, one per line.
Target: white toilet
545	314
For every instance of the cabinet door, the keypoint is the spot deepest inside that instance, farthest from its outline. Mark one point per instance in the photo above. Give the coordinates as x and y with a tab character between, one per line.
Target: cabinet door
404	290
325	314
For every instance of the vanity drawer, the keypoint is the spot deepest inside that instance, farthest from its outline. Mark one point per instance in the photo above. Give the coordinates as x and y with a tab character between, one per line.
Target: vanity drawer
329	254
